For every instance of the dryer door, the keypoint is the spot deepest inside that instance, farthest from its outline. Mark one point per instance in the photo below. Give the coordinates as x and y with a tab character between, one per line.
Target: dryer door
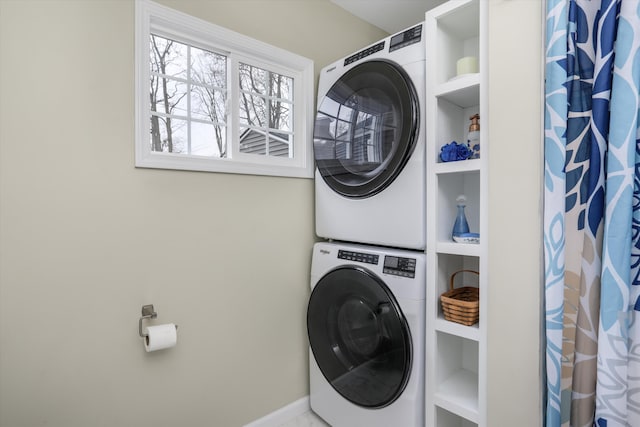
359	337
366	128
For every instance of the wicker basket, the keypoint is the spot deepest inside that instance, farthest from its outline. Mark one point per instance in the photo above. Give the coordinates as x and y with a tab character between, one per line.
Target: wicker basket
461	305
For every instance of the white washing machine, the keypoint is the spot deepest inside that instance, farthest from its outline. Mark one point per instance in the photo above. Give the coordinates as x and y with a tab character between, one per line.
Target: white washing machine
369	144
365	323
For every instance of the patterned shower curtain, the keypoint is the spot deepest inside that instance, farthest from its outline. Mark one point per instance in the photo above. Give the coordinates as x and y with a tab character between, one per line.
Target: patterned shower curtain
592	213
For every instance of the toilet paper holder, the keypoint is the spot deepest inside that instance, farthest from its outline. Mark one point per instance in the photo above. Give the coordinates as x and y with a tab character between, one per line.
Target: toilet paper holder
147	313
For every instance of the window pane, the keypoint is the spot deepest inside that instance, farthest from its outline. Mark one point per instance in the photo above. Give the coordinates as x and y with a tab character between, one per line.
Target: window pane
257	141
253	141
280	115
253	110
168	57
280	144
208	104
177	98
168	135
208	140
168	96
208	68
253	79
281	86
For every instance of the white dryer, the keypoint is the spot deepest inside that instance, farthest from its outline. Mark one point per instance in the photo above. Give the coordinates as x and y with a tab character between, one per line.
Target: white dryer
369	144
365	323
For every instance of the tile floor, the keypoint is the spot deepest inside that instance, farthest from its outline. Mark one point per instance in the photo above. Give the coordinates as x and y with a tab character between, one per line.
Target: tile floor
308	419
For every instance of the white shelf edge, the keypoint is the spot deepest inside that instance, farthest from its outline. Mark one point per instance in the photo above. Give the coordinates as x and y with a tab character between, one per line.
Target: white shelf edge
469	332
459	395
452	248
456	84
446	8
463	91
462	166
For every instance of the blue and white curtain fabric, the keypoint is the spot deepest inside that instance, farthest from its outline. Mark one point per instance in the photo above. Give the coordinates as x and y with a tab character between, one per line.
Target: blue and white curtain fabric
592	213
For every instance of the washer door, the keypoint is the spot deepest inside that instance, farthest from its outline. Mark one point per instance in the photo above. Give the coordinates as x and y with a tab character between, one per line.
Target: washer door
359	337
366	129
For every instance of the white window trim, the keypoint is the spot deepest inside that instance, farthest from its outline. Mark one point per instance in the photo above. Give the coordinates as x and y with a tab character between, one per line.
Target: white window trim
169	22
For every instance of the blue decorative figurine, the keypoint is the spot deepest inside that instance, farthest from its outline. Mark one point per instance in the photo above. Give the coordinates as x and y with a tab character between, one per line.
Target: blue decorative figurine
452	152
460	232
460	227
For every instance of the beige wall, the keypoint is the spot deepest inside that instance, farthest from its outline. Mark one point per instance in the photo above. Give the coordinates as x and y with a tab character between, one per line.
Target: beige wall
86	239
515	179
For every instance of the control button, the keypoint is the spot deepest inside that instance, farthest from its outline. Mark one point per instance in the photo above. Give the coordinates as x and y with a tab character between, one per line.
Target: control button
364	53
358	257
400	273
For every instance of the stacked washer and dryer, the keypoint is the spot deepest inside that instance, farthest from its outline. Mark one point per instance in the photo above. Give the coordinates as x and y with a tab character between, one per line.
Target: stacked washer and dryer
366	312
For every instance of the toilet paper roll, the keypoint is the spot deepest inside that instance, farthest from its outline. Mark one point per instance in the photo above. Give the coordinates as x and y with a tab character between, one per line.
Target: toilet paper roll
160	337
467	65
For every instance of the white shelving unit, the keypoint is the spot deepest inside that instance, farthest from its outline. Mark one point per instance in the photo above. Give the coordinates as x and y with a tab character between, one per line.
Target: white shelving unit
456	371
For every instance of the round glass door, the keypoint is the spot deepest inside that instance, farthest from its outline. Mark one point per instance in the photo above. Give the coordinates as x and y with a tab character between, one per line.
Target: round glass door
366	128
359	337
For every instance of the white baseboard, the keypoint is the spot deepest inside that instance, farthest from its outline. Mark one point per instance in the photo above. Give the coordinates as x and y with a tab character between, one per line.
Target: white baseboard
283	415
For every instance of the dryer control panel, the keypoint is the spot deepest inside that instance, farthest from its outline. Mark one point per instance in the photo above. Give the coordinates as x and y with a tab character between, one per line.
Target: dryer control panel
397	266
405	38
364	53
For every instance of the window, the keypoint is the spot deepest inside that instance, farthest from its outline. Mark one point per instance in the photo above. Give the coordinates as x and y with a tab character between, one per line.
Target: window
210	99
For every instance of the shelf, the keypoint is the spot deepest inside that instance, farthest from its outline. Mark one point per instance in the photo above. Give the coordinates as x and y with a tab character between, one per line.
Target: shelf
468	332
456	367
463	91
449	419
459	394
454	248
462	166
459	18
454	30
447	189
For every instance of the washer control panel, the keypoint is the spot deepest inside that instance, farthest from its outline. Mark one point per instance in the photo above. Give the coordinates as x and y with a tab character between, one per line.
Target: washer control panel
358	257
397	266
